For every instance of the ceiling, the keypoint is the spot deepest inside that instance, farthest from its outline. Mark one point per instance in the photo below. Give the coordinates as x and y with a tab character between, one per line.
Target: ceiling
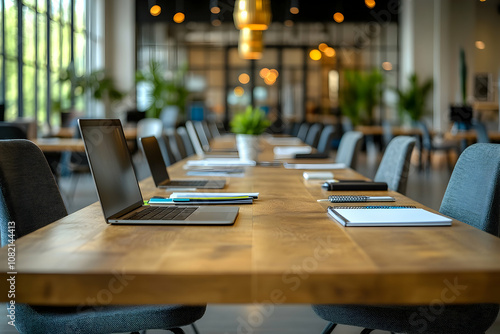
309	10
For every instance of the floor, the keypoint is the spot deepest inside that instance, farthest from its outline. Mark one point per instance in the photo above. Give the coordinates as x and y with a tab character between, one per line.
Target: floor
425	187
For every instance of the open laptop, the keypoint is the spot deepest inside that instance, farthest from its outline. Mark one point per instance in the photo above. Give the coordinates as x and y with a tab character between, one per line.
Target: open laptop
118	189
159	169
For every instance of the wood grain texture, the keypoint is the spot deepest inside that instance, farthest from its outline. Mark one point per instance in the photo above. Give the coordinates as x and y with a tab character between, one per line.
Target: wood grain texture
282	249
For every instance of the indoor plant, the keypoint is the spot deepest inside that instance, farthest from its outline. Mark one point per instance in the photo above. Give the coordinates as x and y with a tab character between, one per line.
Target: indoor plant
248	126
412	100
163	92
359	95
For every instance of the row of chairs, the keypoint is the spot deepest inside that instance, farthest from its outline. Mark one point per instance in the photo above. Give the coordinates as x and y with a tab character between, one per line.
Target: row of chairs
182	142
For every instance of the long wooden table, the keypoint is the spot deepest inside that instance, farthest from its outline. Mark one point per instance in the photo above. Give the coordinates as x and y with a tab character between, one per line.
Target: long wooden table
282	249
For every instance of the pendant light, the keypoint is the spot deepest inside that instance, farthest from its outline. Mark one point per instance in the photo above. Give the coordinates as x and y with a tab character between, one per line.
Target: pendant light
252	14
251	44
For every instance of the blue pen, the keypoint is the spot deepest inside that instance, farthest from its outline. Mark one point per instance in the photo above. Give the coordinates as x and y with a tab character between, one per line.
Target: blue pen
168	200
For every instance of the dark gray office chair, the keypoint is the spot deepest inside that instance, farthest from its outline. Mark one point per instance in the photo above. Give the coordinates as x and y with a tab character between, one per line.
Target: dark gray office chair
481	131
188	146
202	136
395	164
313	134
11	131
303	130
30	197
325	139
473	197
349	148
430	146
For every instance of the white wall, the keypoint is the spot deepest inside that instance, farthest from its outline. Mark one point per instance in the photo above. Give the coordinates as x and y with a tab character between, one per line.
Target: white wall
120	46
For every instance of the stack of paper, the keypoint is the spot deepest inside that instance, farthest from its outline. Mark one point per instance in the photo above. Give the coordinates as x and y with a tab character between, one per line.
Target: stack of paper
289	152
205	198
315	166
284	141
221	162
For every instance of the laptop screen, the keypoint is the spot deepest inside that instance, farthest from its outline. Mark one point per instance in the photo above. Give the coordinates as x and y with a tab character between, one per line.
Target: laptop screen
156	163
111	165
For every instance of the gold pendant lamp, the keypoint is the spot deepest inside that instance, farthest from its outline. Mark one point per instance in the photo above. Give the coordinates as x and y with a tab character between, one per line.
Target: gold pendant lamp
251	44
252	14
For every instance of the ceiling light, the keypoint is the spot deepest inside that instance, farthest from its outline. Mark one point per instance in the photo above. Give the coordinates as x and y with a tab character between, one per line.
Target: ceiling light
370	3
155	10
387	66
288	23
294	6
322	47
315	54
214	7
338	17
251	44
179	17
329	52
480	45
252	14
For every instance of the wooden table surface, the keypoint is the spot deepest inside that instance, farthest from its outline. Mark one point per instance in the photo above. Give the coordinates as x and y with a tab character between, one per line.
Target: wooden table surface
282	249
129	131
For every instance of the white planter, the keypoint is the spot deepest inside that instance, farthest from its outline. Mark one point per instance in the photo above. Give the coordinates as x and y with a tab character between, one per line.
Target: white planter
248	147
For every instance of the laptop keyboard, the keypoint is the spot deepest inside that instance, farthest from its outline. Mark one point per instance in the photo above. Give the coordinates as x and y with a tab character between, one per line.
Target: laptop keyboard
187	183
163	213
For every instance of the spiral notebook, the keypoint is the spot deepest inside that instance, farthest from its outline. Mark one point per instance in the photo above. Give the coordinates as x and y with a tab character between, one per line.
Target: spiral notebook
387	217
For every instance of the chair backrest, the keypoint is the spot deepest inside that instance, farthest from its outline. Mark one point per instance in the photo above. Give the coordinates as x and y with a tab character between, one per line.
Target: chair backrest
294	131
206	129
395	164
29	193
426	136
202	136
166	149
303	129
313	134
168	117
176	144
148	127
214	129
325	140
387	134
195	140
349	148
473	192
11	131
481	132
188	146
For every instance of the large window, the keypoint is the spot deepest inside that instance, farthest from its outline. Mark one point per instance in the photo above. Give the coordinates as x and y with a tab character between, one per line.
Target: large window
38	40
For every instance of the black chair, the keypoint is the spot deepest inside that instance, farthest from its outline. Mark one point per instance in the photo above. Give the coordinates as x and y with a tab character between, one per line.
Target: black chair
188	146
431	147
395	164
313	134
473	197
349	148
325	139
30	197
11	131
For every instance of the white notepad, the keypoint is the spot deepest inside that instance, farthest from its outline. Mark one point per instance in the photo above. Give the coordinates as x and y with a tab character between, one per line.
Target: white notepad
289	152
221	162
388	217
315	166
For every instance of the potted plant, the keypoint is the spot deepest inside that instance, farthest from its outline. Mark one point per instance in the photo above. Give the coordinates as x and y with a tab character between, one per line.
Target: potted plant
162	92
248	126
411	101
359	95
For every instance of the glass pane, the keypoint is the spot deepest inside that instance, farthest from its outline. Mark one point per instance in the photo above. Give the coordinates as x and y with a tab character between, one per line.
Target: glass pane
11	92
29	92
66	11
55	9
66	46
80	51
80	14
42	96
42	40
31	3
28	35
1	82
55	48
42	6
1	16
11	28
